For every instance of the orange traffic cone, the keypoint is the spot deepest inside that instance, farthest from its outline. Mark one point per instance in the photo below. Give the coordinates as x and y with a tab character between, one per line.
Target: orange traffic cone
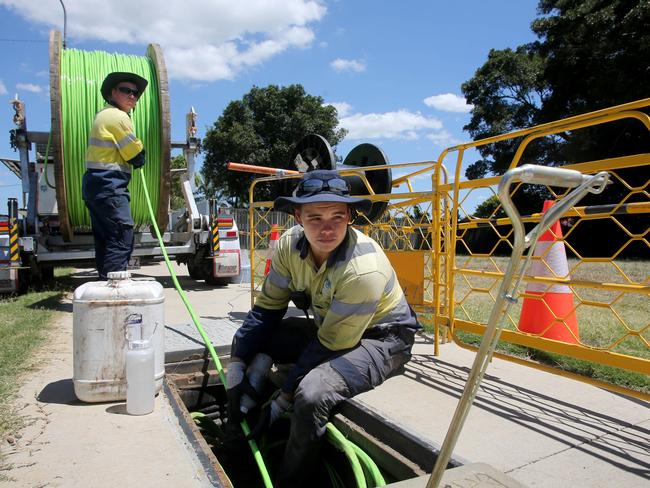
549	312
273	244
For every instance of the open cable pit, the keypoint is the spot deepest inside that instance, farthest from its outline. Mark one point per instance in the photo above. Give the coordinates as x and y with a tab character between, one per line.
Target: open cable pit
192	385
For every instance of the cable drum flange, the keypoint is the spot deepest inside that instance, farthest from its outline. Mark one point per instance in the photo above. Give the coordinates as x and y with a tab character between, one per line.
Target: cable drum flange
310	153
381	181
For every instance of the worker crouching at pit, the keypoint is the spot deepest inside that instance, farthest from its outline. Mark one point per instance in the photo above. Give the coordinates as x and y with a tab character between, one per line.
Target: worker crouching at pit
113	149
362	329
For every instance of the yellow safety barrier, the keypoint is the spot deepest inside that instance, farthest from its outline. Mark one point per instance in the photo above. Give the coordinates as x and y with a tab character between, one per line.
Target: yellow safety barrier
462	257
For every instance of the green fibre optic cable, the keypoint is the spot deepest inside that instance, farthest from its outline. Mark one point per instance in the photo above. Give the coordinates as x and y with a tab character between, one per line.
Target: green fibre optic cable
341	442
208	344
82	74
369	466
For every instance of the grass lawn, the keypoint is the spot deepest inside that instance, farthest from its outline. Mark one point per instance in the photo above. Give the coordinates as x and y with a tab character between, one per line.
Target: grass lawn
24	324
608	320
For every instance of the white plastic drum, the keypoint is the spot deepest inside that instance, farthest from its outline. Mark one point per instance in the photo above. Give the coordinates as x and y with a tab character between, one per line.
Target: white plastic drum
100	310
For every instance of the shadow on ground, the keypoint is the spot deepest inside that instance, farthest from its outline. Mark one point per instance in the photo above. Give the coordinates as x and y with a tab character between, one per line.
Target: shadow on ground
597	434
60	392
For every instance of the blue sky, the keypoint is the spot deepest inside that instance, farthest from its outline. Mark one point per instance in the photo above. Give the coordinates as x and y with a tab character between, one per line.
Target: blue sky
393	68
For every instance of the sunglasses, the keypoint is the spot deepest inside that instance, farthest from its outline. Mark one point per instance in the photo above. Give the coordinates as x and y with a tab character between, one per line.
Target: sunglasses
129	91
337	186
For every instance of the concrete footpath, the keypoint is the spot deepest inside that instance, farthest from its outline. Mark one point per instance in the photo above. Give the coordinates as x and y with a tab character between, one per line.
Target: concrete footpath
542	430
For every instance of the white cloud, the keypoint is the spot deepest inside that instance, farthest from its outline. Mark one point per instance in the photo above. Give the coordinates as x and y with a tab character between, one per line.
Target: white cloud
354	65
343	109
401	124
202	40
3	88
443	139
448	102
30	87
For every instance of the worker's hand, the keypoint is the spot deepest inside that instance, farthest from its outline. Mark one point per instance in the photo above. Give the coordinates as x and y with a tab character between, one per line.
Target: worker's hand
139	160
271	411
238	384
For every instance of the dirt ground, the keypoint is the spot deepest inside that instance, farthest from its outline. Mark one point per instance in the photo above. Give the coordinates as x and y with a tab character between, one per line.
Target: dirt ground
67	443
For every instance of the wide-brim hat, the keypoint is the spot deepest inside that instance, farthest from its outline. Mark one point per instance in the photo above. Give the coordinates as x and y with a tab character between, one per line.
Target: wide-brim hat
300	197
116	77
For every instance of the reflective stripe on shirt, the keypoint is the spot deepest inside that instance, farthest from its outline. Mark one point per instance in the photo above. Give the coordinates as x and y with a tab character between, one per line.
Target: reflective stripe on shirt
108	166
364	308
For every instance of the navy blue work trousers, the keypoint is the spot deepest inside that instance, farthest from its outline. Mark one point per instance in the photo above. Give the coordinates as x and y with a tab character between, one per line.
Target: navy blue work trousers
380	355
113	232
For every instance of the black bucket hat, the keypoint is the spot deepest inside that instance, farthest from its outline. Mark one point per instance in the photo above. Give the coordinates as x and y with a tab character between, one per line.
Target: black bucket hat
321	186
116	77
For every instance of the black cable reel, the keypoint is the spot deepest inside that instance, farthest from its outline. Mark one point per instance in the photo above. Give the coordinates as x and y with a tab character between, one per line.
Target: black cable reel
314	152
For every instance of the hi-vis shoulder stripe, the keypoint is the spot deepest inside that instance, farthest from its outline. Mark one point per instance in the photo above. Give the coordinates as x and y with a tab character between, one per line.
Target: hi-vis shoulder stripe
361	249
126	140
276	279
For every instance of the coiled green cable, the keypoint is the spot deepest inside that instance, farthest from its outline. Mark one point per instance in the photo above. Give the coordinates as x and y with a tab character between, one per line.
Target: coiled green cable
82	74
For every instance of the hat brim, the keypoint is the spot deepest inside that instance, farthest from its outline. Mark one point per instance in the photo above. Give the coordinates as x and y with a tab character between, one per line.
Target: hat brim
119	76
286	204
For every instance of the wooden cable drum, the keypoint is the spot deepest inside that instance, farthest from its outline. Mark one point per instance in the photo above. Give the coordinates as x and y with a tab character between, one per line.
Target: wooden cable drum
75	80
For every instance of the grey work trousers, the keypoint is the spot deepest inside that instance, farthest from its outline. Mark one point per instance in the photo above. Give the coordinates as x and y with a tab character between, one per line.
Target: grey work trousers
379	355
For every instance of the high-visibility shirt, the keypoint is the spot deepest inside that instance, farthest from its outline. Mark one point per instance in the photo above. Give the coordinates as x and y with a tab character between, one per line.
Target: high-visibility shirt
354	290
112	143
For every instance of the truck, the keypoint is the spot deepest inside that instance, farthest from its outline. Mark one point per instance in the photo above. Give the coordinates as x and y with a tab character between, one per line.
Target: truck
36	236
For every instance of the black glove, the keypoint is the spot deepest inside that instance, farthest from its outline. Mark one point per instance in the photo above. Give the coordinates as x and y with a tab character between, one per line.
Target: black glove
271	411
138	160
237	385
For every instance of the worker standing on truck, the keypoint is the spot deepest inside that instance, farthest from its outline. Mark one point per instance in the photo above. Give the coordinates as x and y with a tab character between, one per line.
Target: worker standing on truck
113	150
362	329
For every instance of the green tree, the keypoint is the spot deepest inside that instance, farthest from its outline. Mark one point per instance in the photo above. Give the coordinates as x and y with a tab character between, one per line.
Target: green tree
262	129
591	54
490	208
177	200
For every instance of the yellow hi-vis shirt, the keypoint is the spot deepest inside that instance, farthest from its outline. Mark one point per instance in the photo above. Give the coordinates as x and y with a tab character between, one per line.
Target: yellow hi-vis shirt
354	290
112	141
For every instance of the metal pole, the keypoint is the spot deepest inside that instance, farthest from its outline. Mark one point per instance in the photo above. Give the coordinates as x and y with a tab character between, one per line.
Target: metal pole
65	23
528	174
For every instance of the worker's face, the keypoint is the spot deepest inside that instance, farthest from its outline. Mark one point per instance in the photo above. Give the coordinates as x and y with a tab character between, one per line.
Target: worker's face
325	226
125	95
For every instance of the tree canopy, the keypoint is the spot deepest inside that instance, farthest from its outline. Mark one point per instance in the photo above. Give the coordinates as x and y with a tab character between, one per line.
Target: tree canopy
590	55
262	129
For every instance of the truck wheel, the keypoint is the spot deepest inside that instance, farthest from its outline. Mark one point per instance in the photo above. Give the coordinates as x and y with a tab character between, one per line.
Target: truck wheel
47	273
194	271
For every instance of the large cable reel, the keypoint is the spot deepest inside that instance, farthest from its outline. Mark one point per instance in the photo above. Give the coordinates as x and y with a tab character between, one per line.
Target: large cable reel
75	98
314	152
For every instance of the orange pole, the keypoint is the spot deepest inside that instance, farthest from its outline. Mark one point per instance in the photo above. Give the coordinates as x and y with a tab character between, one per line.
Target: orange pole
265	170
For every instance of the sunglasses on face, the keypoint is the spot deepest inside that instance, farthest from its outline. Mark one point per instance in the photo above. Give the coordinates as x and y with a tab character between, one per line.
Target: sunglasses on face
129	91
337	186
